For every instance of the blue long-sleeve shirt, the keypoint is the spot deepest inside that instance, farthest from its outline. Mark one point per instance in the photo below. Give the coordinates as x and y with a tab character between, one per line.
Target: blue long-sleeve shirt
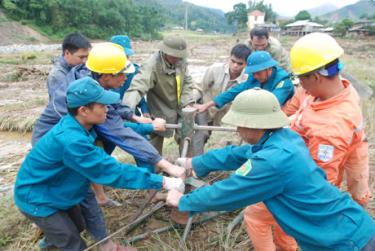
142	105
57	173
279	83
57	75
112	132
280	172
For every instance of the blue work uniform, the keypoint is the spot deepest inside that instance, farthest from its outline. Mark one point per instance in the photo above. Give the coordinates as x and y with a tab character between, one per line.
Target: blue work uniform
112	132
279	83
57	173
142	105
279	171
143	129
57	75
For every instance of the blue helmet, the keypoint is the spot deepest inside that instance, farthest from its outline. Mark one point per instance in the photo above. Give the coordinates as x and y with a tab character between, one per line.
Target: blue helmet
259	61
124	41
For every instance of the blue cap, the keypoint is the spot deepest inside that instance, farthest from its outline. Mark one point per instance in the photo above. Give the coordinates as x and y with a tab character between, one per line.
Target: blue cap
259	61
124	41
86	90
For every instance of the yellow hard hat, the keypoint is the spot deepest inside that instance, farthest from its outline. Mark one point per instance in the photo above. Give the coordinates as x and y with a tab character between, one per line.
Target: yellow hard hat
314	51
107	58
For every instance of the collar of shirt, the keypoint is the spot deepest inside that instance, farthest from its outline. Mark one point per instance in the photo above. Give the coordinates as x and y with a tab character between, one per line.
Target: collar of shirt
321	105
270	81
168	68
241	78
75	123
64	63
259	145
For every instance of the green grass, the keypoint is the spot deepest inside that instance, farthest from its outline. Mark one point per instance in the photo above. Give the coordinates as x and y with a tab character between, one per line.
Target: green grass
362	69
13	225
27	58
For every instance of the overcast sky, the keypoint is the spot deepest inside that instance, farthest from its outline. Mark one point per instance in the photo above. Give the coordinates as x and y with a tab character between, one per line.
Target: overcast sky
282	7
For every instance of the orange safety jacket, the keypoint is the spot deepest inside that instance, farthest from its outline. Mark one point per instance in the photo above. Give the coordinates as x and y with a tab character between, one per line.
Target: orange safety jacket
334	133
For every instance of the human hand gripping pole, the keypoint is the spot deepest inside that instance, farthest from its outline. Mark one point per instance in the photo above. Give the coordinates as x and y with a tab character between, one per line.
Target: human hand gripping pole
186	164
204	107
159	124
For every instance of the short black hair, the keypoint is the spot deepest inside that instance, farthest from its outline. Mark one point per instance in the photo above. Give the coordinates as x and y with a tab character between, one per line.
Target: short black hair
241	51
74	111
75	41
259	32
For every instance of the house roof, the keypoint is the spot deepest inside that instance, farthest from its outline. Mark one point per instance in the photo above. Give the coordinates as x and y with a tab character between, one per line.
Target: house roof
257	13
304	23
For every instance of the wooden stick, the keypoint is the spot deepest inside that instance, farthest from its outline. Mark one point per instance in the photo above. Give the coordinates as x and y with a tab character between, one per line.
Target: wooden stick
130	225
206	217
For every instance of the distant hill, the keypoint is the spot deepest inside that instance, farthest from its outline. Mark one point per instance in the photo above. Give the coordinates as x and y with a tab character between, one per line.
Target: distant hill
12	32
353	11
322	9
198	17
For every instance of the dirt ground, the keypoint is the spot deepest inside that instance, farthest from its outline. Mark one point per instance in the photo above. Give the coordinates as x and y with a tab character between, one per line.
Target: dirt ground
23	96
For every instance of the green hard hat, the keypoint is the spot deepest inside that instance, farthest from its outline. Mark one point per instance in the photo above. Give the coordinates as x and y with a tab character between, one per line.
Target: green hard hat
256	109
174	46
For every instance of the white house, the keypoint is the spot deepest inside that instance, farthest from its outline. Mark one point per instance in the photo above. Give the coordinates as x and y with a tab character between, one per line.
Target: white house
255	18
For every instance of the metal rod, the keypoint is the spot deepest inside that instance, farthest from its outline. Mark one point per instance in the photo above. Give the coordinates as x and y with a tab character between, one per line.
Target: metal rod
185	147
215	128
173	126
130	225
186	231
204	128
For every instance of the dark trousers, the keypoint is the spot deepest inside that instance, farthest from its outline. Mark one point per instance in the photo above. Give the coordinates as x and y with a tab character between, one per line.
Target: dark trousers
370	246
62	229
200	138
93	217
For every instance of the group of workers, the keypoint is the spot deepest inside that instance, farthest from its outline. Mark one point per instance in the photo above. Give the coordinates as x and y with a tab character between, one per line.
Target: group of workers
300	142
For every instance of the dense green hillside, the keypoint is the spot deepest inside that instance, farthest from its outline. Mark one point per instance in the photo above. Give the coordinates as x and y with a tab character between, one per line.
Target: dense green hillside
101	19
362	9
198	17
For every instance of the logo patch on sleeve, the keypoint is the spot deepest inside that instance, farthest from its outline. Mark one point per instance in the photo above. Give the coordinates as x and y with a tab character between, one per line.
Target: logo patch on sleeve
325	152
280	85
245	168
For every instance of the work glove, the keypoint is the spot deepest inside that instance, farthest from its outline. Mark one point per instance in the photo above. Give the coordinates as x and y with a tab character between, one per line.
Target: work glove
185	163
174	183
173	198
177	171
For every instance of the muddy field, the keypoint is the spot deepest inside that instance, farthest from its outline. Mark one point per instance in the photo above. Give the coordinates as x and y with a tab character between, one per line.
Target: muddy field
23	96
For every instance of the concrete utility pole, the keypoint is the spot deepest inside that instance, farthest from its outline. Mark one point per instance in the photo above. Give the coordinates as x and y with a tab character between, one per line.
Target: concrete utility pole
186	17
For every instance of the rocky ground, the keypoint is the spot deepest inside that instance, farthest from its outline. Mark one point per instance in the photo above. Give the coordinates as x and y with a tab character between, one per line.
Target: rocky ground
23	71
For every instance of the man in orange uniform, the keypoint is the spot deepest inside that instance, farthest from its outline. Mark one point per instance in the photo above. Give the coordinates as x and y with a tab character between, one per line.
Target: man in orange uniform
329	119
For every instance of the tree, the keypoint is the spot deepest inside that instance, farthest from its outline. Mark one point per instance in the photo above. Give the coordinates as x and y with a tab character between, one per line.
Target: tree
238	16
94	18
303	15
342	28
266	8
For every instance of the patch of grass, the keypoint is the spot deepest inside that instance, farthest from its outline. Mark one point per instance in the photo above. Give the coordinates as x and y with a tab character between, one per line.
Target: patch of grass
18	124
13	225
27	58
361	69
